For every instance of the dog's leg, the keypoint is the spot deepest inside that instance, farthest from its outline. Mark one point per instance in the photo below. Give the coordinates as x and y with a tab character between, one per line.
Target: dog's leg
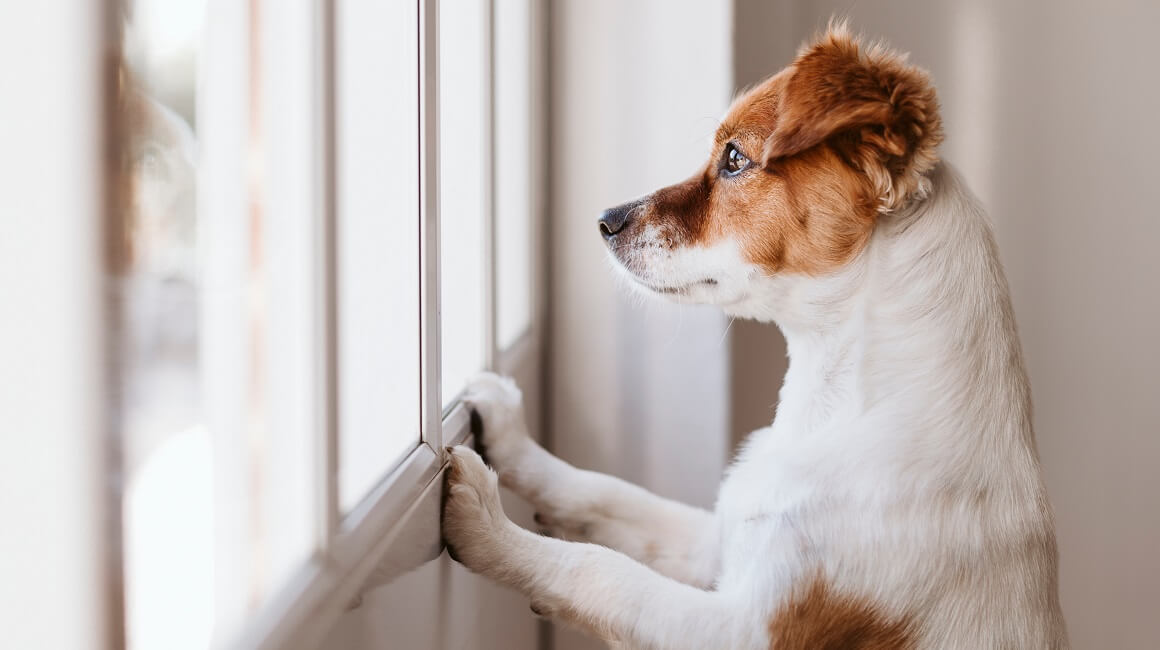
674	539
595	588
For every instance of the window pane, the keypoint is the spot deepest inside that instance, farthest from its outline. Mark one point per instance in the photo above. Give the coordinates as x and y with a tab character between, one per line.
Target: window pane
462	196
513	170
283	194
378	240
168	456
216	336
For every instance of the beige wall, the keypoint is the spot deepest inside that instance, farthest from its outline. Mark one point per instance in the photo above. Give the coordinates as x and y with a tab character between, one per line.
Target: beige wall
636	389
1051	110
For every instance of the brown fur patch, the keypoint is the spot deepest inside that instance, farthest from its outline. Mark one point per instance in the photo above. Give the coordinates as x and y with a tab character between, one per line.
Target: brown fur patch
843	134
809	215
885	110
816	618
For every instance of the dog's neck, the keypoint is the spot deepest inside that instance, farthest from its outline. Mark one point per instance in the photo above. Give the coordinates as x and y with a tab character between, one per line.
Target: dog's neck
918	329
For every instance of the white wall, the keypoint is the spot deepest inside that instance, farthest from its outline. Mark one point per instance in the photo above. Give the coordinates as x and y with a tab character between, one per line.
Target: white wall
636	99
58	587
1051	109
637	390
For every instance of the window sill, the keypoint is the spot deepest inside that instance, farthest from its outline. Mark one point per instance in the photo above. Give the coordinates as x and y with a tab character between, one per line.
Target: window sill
394	530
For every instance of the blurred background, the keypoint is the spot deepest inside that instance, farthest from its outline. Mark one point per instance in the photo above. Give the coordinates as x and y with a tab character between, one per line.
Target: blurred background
207	412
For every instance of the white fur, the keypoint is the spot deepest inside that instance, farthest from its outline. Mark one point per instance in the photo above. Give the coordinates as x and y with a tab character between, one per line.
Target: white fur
901	463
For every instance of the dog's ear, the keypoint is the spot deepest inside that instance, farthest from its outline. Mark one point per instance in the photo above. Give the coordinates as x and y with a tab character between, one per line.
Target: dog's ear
879	111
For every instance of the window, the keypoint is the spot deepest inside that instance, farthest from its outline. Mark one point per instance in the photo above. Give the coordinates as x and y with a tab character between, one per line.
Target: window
464	167
516	166
377	176
308	268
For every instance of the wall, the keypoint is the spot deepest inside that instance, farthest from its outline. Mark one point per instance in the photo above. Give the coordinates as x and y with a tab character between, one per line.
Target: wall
637	389
1050	109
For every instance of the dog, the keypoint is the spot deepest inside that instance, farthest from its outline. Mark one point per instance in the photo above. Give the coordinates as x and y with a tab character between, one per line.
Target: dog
896	500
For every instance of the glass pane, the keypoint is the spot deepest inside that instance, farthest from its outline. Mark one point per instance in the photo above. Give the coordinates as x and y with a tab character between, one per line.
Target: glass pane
378	240
462	197
513	170
168	454
215	340
283	221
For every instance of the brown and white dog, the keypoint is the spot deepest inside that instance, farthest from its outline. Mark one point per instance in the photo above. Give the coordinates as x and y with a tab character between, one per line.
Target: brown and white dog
896	500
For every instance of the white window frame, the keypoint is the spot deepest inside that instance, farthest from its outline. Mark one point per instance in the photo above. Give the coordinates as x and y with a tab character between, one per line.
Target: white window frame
58	458
76	553
396	526
75	561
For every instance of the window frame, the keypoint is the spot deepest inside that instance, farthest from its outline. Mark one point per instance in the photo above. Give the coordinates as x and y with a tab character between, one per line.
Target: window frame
63	585
395	527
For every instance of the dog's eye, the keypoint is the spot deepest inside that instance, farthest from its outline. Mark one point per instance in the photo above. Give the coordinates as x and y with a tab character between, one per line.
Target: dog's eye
734	162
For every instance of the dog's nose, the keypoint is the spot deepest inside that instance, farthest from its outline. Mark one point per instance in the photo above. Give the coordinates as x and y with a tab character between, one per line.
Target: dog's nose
613	220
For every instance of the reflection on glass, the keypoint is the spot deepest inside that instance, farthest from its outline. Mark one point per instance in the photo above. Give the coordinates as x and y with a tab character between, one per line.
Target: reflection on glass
168	491
215	349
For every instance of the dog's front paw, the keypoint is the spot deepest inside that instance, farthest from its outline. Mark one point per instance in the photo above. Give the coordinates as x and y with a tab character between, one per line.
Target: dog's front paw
500	407
474	523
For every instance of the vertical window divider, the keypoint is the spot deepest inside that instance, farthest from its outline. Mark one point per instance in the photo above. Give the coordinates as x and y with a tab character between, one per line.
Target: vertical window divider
431	416
326	283
490	290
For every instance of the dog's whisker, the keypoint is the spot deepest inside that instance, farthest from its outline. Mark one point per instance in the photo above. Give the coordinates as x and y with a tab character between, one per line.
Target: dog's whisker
726	332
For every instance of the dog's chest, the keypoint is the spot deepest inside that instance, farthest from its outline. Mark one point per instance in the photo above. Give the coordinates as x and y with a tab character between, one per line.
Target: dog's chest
768	489
765	509
784	495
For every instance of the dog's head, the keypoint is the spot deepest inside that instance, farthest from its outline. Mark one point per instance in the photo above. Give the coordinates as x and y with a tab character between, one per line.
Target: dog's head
801	168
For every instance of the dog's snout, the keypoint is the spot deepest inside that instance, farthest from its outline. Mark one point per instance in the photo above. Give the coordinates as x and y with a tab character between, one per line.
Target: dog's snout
613	220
